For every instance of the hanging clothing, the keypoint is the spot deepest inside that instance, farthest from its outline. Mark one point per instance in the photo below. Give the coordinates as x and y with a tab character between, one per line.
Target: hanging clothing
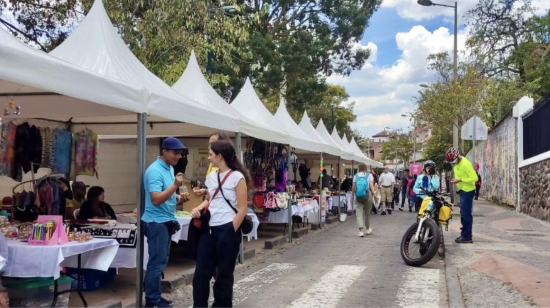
47	147
7	149
61	154
28	148
45	193
84	154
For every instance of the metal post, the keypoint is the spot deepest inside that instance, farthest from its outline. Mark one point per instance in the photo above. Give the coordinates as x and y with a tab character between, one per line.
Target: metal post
239	153
339	185
474	143
414	140
289	206
455	77
321	194
352	174
141	149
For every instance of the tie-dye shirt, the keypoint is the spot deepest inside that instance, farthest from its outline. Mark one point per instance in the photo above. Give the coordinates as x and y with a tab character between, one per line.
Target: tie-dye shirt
84	158
62	150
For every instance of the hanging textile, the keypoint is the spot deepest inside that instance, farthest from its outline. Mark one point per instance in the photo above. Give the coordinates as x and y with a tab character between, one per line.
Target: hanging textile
84	154
28	148
61	154
7	149
47	147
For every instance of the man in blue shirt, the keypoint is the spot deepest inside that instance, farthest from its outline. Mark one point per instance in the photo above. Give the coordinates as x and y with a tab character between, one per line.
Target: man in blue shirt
160	207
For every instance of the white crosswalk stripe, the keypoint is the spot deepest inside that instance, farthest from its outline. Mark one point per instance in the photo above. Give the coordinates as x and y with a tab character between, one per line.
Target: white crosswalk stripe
330	289
420	288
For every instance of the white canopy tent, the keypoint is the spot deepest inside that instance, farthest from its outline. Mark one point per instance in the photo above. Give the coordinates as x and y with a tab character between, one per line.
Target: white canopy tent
345	154
342	144
48	87
96	46
345	143
248	104
360	156
300	139
357	150
309	130
194	85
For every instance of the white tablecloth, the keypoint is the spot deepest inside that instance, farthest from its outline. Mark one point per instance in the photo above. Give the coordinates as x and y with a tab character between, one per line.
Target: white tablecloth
183	233
46	261
333	201
349	201
255	222
301	209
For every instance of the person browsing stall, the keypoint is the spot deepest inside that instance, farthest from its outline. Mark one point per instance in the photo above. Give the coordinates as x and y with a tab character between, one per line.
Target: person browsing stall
159	220
221	235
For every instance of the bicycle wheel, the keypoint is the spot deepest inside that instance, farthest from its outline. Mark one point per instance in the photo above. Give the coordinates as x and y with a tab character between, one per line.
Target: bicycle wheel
421	252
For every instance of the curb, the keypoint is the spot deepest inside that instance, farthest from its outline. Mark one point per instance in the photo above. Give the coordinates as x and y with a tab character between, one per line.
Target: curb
454	290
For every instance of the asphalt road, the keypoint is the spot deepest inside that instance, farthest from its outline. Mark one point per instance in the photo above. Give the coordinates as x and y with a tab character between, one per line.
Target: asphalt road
336	268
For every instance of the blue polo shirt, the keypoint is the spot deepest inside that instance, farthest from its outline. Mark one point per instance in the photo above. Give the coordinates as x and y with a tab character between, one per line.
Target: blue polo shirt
158	177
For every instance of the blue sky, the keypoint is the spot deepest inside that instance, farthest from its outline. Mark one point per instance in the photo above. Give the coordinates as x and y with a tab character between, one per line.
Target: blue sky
401	35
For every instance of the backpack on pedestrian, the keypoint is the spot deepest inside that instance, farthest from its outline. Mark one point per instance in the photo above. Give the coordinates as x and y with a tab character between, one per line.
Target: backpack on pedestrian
361	185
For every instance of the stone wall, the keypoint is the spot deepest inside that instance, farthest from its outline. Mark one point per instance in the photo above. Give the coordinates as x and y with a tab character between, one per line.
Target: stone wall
497	158
535	193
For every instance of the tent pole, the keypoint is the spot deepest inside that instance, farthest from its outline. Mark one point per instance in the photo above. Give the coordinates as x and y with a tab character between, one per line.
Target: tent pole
339	185
141	147
240	156
321	194
289	206
352	174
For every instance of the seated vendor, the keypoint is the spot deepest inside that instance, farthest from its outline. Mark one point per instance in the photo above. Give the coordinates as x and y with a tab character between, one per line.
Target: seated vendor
95	206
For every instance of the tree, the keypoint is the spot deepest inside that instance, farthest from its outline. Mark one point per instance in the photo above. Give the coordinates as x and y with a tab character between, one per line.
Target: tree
399	146
437	146
498	29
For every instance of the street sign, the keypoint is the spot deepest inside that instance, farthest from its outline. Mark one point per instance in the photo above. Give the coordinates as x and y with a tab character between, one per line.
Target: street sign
474	128
416	169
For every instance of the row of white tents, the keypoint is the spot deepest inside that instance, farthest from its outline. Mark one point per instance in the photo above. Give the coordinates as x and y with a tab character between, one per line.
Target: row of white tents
93	79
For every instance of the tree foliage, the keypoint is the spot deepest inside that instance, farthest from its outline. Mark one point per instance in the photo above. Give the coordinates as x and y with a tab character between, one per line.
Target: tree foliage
436	147
399	146
291	44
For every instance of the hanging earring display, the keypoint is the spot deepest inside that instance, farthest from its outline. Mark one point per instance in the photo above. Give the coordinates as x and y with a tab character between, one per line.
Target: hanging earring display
321	166
12	107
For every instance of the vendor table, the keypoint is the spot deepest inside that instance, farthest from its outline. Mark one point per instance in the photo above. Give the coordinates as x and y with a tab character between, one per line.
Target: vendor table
27	261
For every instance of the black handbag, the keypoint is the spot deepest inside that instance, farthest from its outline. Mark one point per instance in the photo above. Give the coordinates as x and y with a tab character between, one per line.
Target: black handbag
247	225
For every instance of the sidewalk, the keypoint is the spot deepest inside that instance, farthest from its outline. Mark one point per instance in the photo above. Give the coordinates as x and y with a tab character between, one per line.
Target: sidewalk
507	265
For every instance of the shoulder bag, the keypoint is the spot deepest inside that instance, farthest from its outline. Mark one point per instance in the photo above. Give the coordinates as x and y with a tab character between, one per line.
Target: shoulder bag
205	214
246	225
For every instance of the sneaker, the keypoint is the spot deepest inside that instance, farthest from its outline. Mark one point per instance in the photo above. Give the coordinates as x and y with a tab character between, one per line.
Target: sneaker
369	231
361	234
169	302
401	209
383	213
463	241
159	304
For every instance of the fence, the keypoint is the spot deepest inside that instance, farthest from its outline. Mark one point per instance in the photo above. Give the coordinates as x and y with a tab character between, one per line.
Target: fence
536	129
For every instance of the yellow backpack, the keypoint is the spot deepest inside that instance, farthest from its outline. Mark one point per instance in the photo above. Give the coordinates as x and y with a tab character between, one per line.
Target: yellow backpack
444	212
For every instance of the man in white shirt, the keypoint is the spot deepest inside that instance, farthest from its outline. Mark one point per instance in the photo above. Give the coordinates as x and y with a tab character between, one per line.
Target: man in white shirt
387	179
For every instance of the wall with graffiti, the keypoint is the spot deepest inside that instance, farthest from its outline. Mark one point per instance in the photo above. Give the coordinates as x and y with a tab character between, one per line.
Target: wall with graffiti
497	158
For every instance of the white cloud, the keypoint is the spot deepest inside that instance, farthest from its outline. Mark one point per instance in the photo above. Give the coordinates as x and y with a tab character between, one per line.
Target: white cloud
382	94
410	9
541	6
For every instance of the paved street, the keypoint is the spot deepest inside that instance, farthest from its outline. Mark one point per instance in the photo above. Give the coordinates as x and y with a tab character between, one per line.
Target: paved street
336	268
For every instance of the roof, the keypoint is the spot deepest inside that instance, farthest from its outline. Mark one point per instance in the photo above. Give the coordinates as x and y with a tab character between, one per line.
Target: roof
300	139
383	133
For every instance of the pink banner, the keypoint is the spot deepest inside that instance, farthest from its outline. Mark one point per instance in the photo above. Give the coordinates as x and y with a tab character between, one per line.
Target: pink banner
416	169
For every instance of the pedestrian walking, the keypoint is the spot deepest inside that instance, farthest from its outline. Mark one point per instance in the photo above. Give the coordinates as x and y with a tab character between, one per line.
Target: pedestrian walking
387	179
412	196
465	178
159	220
478	183
404	188
428	181
376	193
396	192
226	206
363	190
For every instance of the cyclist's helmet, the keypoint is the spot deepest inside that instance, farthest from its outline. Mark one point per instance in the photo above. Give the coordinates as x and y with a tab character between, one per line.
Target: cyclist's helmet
452	155
429	163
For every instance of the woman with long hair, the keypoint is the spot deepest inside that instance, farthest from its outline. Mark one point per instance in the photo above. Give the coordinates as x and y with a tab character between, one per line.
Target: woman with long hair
95	206
220	241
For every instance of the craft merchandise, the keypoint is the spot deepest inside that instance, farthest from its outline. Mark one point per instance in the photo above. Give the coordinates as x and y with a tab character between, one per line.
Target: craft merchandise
62	150
28	148
48	230
47	147
7	149
282	200
84	154
271	203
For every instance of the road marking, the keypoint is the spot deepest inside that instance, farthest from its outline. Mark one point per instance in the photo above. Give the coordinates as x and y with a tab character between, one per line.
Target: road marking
254	282
328	291
420	288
